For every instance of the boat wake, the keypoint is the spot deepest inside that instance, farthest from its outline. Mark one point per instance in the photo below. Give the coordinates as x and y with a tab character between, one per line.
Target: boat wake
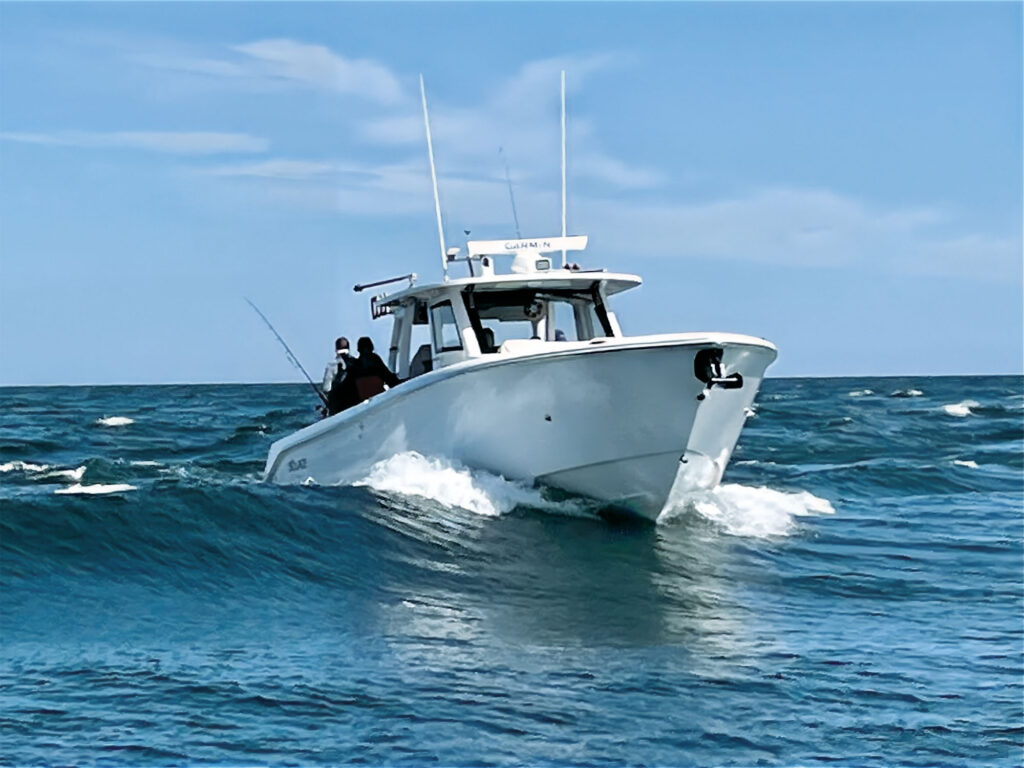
742	510
737	509
453	485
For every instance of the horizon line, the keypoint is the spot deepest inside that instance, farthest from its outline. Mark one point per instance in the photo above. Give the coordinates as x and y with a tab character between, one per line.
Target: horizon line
303	383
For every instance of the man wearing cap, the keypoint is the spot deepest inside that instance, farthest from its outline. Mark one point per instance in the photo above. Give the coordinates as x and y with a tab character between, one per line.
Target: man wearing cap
339	396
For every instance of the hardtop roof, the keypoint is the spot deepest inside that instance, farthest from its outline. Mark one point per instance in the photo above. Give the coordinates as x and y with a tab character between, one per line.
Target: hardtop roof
614	282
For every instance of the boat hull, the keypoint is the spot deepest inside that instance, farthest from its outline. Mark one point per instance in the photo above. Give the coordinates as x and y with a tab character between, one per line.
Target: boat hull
617	420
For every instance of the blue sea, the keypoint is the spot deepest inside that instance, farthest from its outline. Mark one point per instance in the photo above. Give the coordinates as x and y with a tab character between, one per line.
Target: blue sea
851	595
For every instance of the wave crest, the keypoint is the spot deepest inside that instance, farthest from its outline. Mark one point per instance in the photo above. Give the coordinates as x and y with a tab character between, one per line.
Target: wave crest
960	409
95	490
114	421
454	485
747	511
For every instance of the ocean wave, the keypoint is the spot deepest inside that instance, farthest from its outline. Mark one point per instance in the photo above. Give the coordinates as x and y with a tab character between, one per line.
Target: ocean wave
969	463
70	474
861	392
95	490
906	393
114	421
960	409
42	471
453	485
740	510
22	466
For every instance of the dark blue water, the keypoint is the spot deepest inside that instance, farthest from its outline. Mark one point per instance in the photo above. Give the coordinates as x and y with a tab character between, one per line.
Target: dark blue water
851	595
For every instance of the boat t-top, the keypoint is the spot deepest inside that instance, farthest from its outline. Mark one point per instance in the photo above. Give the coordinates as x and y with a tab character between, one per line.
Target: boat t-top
521	368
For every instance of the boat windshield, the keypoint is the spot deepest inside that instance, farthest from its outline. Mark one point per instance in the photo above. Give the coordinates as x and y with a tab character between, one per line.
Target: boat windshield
500	316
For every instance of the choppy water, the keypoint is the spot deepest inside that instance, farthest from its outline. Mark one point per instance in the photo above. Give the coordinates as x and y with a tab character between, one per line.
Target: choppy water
851	595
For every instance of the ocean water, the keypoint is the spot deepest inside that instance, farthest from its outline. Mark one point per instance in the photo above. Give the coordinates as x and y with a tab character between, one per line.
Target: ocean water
851	595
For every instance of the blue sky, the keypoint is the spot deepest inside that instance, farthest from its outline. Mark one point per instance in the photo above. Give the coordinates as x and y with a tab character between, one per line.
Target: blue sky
843	179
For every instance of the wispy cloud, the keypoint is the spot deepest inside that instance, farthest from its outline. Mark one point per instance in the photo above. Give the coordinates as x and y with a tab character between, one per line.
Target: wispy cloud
282	62
176	143
804	227
521	114
318	66
786	226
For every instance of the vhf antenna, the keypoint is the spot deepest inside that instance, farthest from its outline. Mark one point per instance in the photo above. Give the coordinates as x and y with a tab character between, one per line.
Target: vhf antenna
433	178
511	197
563	169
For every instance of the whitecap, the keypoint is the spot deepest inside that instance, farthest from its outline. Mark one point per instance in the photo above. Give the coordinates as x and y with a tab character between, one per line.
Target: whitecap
97	489
114	421
71	474
907	393
23	466
860	393
145	463
42	471
747	511
960	409
454	485
966	463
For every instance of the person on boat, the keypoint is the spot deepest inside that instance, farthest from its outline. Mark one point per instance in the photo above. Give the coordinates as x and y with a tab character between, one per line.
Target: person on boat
339	395
368	374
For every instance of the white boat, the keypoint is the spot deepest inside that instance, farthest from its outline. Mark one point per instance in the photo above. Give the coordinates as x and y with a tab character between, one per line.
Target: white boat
521	369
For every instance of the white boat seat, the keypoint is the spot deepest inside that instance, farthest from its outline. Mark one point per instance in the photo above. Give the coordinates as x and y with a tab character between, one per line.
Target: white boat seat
421	362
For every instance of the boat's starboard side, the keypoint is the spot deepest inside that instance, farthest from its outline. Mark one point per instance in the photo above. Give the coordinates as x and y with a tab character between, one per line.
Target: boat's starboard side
610	419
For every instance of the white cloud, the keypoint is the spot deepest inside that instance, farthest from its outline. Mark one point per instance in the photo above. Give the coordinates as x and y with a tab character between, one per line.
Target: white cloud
802	227
778	225
177	143
521	115
294	170
278	62
318	66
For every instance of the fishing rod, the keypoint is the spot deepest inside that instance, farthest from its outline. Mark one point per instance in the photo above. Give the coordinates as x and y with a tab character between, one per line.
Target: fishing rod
291	355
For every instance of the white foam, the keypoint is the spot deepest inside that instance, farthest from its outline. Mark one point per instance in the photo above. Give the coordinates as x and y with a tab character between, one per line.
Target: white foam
861	393
453	485
93	490
966	463
23	466
145	463
71	474
907	393
114	421
960	409
746	511
42	470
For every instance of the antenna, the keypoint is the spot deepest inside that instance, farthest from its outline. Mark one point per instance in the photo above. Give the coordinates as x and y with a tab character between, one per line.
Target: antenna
433	179
508	179
563	165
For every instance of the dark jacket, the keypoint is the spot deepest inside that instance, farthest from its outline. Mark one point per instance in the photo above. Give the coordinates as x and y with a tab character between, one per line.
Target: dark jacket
342	394
371	365
345	387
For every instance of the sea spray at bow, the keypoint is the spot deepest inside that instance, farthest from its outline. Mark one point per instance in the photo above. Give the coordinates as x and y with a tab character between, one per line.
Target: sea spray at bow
853	581
453	485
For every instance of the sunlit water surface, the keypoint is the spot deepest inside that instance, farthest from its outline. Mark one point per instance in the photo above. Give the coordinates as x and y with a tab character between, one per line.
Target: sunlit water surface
851	594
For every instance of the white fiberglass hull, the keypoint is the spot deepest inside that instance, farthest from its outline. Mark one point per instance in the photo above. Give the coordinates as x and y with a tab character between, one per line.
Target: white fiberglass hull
613	419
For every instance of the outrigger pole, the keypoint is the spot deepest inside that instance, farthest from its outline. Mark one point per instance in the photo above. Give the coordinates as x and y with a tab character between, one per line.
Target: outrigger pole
563	167
433	179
